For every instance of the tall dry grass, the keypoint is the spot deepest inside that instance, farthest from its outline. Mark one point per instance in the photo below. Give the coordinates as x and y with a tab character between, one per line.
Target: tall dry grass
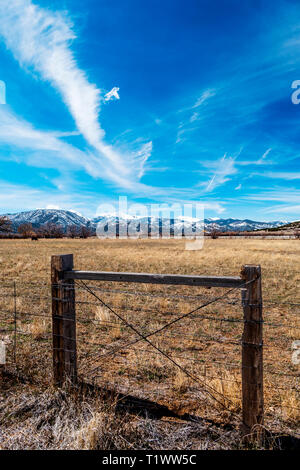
198	344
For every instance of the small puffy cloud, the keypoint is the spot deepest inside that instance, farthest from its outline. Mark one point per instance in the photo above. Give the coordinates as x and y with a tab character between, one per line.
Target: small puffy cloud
112	94
239	186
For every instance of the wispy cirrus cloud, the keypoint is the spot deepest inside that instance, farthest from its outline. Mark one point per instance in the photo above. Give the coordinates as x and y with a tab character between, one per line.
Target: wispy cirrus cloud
16	196
46	150
20	133
41	41
204	96
43	149
276	194
260	161
286	175
193	114
289	209
264	156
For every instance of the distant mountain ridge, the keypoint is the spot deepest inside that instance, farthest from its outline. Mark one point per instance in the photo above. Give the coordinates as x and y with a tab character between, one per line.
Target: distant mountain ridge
40	217
287	227
67	218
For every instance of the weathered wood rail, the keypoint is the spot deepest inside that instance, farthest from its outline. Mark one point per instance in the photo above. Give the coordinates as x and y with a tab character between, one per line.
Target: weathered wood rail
147	278
64	325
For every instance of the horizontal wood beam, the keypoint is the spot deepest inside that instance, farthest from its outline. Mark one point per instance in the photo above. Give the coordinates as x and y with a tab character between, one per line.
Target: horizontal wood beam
146	278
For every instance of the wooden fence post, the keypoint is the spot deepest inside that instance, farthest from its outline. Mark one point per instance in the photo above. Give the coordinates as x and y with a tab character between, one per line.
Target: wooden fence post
252	355
63	321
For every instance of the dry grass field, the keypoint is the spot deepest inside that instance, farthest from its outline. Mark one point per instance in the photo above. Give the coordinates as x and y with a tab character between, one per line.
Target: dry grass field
205	344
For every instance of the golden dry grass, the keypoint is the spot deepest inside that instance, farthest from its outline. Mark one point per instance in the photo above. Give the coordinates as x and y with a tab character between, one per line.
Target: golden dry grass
25	260
192	343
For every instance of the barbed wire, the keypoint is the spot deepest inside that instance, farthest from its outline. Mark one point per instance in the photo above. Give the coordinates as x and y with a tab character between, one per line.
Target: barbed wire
22	332
156	350
203	317
162	328
207	363
46	285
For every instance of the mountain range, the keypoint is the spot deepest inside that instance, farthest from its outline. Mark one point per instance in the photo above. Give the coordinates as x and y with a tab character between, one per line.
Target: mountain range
66	218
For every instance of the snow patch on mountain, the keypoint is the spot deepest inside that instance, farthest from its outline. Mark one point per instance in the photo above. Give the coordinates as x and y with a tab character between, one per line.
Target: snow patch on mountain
40	217
65	218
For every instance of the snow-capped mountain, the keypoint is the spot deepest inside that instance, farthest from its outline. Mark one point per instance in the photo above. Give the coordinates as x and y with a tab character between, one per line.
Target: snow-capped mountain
177	225
237	225
40	217
141	225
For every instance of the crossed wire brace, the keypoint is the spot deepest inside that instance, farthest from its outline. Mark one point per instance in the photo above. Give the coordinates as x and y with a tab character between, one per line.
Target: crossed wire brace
166	325
189	359
208	389
142	337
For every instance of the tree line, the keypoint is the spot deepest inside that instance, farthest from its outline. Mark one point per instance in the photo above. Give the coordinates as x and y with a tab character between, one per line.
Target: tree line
47	230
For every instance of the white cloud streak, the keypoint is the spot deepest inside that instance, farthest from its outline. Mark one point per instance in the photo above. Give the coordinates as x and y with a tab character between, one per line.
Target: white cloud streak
205	95
284	210
264	156
41	40
222	169
261	161
44	149
280	194
286	175
15	196
21	134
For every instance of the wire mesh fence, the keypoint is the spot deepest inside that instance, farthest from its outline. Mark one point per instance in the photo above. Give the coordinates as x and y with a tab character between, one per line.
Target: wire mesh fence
178	346
26	329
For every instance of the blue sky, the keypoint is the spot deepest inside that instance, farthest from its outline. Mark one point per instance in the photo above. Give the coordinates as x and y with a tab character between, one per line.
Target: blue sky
200	106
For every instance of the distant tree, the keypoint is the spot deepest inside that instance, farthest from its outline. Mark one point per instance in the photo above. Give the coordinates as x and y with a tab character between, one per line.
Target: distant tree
45	230
214	233
25	230
51	230
85	231
5	224
57	231
297	234
73	231
40	233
